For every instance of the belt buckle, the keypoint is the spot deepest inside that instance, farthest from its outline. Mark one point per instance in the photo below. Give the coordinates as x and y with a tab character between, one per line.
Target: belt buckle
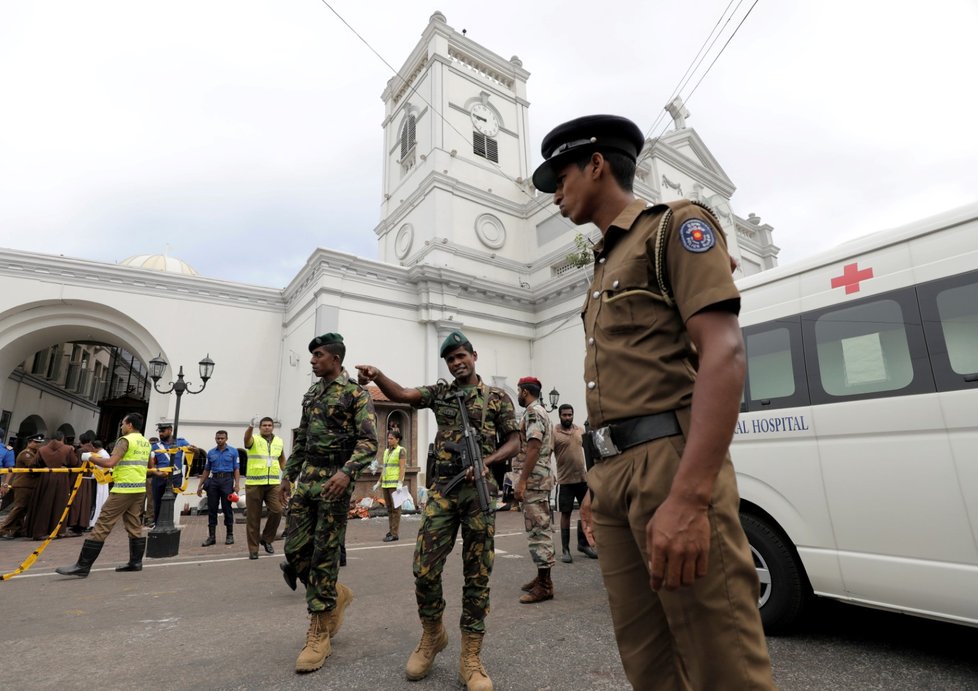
603	443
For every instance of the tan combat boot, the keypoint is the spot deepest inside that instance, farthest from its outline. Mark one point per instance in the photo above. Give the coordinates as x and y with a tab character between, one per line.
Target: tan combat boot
317	647
470	669
433	641
543	590
344	596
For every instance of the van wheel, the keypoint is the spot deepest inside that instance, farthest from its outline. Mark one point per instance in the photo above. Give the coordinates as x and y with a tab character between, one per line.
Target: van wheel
784	587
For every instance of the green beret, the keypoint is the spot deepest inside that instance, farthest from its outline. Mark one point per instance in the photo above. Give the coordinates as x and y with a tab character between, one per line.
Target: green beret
325	339
453	341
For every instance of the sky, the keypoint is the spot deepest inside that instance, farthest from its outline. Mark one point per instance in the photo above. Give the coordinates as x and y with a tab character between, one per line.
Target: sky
239	135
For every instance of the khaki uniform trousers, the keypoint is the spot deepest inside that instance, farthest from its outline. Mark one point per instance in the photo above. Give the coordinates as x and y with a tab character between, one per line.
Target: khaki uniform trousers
704	636
393	514
13	524
255	495
128	506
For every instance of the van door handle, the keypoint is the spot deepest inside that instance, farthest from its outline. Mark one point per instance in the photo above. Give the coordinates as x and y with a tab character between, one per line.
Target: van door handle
766	401
971	377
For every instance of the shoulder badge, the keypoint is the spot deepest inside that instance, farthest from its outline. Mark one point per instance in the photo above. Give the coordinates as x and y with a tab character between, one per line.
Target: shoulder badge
696	235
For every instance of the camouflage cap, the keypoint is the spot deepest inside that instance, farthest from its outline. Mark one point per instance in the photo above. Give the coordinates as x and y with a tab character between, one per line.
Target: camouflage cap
325	339
453	341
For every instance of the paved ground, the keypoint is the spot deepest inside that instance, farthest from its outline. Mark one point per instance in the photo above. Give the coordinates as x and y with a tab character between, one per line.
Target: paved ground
212	619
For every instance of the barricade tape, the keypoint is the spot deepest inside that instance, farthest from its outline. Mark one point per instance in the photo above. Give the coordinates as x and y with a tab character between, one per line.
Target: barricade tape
188	459
87	466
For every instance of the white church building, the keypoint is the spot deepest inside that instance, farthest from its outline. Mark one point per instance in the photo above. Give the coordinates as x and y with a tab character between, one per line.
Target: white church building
464	241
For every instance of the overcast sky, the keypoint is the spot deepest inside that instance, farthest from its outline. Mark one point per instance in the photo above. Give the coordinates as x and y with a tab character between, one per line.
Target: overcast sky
243	134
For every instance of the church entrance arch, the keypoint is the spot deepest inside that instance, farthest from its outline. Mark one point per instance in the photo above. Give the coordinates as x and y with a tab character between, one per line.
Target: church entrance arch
35	326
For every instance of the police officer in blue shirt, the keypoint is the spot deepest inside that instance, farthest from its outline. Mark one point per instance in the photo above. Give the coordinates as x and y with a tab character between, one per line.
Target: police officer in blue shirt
220	478
7	458
165	455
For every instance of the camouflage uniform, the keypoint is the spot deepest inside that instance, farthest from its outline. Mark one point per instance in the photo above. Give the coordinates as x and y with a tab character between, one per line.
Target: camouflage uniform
490	411
337	433
536	424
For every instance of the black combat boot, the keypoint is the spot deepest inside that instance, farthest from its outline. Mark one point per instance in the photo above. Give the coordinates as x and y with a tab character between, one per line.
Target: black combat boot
137	546
89	553
582	544
211	536
565	546
229	540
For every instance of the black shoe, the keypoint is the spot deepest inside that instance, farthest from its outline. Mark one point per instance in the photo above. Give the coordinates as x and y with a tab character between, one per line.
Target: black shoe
8	537
252	555
391	538
588	550
229	540
208	542
566	557
343	561
288	573
268	547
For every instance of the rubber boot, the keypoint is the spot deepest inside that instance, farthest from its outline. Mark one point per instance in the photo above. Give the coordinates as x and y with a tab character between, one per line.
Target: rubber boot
317	647
565	546
344	596
137	546
470	669
543	590
211	536
89	553
582	546
433	641
229	540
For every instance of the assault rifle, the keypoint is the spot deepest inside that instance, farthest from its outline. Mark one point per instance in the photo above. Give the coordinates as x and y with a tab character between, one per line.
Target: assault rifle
470	453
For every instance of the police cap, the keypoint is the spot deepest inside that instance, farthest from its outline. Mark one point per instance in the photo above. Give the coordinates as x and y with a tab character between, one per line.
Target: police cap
589	133
453	341
163	425
325	339
36	437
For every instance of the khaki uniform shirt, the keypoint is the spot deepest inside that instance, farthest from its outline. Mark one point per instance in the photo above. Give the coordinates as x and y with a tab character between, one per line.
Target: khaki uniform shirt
639	359
536	424
569	450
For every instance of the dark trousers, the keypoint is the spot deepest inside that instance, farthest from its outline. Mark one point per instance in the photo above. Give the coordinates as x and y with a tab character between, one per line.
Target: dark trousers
158	488
219	486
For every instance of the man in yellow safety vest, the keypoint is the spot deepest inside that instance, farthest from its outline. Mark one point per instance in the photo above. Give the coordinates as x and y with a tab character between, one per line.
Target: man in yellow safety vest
266	458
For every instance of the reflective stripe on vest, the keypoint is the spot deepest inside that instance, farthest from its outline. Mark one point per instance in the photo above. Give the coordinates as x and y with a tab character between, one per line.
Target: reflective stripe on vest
129	474
392	467
263	468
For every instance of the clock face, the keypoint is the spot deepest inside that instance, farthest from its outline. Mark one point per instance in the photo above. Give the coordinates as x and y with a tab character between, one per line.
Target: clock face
484	120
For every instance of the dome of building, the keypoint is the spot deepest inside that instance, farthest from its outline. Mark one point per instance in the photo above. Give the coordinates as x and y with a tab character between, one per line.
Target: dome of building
160	262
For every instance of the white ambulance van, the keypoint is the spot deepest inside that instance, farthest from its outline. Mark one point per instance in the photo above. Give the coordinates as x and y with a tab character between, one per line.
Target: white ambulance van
856	449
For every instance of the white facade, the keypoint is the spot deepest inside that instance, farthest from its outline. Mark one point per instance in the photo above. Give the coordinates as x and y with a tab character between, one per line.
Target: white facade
464	242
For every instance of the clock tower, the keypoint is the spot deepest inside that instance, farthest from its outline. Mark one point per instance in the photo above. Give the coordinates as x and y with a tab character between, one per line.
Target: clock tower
456	158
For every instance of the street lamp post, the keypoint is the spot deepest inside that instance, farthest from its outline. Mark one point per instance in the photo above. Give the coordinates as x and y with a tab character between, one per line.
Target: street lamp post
164	538
554	397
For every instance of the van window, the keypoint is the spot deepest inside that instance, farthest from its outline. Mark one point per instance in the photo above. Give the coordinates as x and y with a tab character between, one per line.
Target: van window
769	369
958	311
863	349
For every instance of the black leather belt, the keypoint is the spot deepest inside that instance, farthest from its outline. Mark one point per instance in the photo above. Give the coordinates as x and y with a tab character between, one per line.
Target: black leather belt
610	440
225	474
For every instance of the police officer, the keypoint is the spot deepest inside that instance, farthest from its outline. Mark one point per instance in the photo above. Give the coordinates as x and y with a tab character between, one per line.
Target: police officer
490	410
23	485
266	459
221	476
336	439
166	452
129	461
664	371
534	481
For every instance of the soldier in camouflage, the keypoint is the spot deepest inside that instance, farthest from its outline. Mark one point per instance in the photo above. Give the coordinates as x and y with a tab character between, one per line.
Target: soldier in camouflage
337	437
491	412
535	480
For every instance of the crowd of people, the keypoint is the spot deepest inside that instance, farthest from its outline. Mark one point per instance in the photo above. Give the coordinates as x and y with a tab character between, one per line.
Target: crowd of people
37	501
663	374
